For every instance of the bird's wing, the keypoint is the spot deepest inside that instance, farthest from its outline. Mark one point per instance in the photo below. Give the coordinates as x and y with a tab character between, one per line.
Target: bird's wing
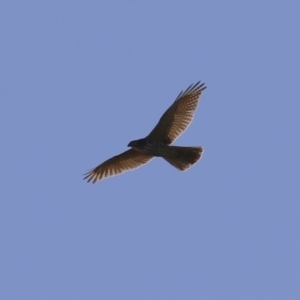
178	116
118	164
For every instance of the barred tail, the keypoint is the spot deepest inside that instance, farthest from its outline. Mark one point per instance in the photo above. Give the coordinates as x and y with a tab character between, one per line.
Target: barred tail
183	157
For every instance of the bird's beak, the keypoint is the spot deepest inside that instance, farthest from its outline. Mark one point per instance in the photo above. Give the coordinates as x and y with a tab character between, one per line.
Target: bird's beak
130	144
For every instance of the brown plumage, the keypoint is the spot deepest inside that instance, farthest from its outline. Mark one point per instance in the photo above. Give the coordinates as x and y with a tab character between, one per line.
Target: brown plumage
183	157
170	126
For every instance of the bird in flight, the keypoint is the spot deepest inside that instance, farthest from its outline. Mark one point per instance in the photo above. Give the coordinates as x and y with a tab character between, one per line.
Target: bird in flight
158	142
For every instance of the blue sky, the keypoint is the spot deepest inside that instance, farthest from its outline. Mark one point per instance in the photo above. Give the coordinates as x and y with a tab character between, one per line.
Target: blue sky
79	80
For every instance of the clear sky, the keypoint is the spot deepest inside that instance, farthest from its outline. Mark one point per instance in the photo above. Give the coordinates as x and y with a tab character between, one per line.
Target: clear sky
79	80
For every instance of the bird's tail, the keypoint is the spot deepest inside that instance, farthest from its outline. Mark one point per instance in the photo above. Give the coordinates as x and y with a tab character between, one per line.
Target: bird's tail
183	157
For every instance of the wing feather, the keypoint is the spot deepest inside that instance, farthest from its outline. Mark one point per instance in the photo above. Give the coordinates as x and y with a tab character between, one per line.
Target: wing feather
178	116
126	161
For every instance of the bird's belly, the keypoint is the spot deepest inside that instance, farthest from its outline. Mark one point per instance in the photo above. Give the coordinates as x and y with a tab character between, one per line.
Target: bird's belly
157	148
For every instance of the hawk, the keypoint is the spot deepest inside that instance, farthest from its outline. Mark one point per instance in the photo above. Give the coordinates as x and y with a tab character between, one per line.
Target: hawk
158	142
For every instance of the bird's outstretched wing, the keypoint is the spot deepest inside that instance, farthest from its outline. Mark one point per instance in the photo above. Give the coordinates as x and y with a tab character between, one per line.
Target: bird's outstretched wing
126	161
178	116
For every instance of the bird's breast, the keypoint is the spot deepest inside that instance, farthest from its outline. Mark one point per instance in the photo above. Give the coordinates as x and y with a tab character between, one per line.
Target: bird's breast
156	148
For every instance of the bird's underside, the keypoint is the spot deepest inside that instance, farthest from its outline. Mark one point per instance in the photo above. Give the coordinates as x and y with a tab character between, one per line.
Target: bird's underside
158	143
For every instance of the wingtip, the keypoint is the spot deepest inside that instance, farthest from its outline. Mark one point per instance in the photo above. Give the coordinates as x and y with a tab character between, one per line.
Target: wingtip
89	176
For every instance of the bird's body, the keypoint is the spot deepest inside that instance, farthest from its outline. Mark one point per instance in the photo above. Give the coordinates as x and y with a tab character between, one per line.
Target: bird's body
148	146
158	143
180	157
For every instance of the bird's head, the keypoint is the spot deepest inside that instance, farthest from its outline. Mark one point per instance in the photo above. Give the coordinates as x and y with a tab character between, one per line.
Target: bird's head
131	144
137	144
